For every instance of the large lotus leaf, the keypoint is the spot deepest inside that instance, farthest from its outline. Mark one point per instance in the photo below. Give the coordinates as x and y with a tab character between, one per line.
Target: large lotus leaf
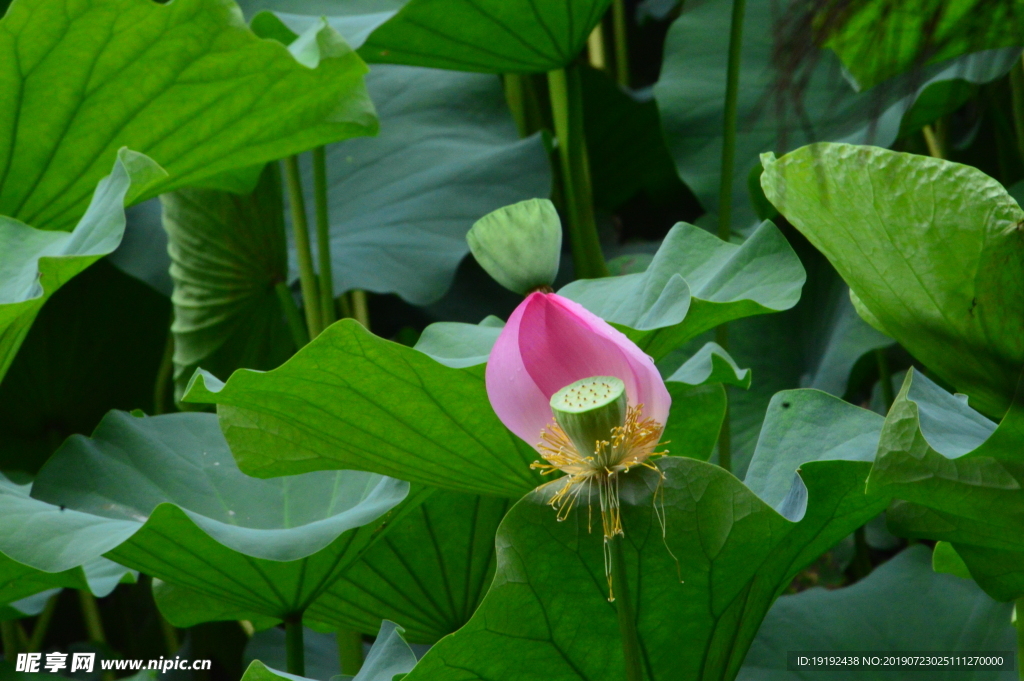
162	495
999	572
489	36
962	475
695	282
185	83
389	656
401	203
932	251
34	263
816	344
353	400
428	574
548	610
879	40
901	606
18	580
691	99
228	253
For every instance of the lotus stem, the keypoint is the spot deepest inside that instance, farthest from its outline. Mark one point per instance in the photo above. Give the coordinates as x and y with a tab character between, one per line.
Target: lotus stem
350	651
9	639
291	314
567	109
885	378
323	237
631	652
621	42
300	228
294	646
164	375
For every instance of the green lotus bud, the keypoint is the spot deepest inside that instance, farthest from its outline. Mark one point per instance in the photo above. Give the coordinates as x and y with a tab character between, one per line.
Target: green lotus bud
588	410
519	245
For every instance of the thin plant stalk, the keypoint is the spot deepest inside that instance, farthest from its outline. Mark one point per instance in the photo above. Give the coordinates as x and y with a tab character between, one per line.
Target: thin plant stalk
323	237
732	88
350	651
624	607
885	378
596	48
93	623
931	140
360	307
91	616
524	103
35	644
164	375
300	228
567	110
294	646
621	42
291	314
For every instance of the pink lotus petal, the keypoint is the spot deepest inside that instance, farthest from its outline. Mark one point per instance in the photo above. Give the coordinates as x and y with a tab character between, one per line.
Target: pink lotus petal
515	398
550	342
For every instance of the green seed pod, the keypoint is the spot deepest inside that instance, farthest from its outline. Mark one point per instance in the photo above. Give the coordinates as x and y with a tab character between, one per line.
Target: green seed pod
519	245
588	410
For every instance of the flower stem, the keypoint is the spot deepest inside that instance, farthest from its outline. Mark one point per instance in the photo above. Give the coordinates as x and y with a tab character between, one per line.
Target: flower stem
595	48
300	228
360	307
91	615
164	374
621	43
350	651
523	102
291	313
294	647
885	378
323	237
627	618
567	110
732	89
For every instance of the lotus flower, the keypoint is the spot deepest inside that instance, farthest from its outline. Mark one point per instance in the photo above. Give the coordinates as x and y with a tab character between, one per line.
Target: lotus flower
581	393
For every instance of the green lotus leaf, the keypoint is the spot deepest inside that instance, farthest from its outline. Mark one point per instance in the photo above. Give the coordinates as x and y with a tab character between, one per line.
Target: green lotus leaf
960	478
228	253
429	573
138	75
914	33
695	282
353	400
162	495
459	345
547	607
932	252
711	364
19	580
400	227
488	36
547	613
999	572
691	98
901	606
34	263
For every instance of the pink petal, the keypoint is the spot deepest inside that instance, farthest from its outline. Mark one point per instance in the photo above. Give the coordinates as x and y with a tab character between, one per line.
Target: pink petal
560	342
515	398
